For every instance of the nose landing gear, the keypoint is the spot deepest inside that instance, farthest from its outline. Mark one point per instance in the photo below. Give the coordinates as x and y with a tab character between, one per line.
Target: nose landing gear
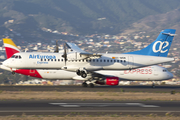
13	72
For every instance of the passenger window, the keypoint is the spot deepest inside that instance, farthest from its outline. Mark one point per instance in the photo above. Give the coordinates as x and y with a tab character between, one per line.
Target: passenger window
16	56
51	59
58	59
90	60
114	60
124	60
48	59
111	60
61	59
93	60
41	59
107	60
54	59
44	59
121	61
100	60
83	60
117	60
104	60
97	60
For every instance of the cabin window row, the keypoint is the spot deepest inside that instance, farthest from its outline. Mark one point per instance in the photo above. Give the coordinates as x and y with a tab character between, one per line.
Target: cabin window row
90	60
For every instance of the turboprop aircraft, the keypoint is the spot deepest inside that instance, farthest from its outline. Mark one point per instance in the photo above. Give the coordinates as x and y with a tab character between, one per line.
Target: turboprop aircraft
84	64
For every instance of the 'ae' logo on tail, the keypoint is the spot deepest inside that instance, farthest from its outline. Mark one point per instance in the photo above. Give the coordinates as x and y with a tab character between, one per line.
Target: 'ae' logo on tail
160	46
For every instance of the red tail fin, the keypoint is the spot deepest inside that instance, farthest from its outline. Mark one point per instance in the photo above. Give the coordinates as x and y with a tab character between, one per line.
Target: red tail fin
10	47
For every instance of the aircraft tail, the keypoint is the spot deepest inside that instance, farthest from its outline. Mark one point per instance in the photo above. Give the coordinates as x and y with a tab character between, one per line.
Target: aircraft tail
160	47
10	47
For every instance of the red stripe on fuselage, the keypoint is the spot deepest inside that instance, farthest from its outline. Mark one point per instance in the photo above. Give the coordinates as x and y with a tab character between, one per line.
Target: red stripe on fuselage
10	52
29	72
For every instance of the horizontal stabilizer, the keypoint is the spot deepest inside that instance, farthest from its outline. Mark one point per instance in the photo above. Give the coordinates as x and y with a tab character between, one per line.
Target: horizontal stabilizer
75	48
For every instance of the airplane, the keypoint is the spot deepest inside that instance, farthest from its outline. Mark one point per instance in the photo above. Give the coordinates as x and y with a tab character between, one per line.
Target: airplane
98	77
84	63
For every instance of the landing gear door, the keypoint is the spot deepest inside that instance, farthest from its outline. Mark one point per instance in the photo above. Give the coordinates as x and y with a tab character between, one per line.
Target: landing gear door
131	62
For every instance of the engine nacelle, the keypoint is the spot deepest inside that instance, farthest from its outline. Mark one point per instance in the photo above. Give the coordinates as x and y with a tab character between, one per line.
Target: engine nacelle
109	81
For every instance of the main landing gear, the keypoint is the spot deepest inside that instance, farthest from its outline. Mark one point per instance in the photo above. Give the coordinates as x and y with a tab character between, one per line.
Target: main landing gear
81	73
84	84
153	85
13	72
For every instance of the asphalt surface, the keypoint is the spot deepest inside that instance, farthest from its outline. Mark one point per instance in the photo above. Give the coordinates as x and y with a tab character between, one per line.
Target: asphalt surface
129	88
89	107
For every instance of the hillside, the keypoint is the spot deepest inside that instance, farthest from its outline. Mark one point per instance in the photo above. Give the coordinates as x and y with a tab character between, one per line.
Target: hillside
79	16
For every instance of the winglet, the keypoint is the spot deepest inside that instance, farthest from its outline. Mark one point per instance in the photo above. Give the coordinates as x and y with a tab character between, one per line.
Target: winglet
10	47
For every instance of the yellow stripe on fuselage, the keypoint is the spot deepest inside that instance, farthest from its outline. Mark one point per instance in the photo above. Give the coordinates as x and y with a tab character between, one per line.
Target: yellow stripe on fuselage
9	41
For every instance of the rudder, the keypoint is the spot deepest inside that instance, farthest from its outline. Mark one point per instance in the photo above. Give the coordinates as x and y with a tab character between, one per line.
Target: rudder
160	47
10	47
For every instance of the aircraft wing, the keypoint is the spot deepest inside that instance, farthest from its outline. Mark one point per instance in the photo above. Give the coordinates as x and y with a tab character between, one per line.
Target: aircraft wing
75	48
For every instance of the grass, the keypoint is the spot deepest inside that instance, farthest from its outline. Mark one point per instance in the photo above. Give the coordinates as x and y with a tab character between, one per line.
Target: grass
53	95
88	117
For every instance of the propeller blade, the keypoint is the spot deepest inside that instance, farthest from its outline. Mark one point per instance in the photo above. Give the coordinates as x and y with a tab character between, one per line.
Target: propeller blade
65	54
57	49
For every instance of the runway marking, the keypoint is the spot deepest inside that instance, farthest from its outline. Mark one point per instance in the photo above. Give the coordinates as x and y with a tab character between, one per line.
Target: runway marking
103	105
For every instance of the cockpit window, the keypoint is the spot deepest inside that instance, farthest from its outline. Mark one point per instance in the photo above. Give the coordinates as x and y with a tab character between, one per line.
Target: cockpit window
16	56
164	70
13	56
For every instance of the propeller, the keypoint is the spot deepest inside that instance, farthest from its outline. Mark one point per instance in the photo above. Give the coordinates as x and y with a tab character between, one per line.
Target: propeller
65	54
57	49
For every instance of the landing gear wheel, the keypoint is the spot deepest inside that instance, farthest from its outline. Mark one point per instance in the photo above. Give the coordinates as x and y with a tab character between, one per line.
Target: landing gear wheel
78	72
13	72
83	74
153	85
84	84
91	85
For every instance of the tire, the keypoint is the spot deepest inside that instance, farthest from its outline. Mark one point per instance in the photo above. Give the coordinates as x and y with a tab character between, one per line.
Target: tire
91	85
84	84
83	74
78	72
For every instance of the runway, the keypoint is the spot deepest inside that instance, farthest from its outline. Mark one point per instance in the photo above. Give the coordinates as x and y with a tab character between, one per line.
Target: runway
88	107
129	88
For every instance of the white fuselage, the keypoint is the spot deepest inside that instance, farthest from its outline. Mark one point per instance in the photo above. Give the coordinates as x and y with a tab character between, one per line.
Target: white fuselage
105	62
150	73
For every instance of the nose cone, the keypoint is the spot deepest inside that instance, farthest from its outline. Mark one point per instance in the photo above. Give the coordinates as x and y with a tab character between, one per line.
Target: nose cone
5	63
170	75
